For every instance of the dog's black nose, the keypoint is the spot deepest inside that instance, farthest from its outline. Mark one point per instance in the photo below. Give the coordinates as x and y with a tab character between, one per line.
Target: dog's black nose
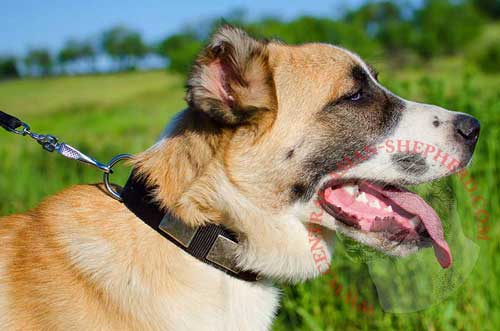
467	128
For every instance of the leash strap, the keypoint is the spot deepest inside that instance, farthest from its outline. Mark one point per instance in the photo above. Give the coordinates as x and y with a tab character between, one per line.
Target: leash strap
9	122
212	244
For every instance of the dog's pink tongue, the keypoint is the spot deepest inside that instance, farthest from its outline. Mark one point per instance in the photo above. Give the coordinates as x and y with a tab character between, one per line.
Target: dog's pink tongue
414	204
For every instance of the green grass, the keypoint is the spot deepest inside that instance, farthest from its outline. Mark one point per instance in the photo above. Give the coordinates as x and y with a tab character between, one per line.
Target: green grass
106	115
113	114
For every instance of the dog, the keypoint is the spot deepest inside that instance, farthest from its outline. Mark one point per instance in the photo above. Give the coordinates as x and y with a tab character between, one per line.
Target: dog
267	124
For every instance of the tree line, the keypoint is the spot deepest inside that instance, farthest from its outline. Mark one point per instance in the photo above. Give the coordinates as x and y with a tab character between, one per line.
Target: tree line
124	46
400	29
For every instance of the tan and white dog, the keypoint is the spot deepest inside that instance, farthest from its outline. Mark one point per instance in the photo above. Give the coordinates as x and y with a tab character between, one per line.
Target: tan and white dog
267	124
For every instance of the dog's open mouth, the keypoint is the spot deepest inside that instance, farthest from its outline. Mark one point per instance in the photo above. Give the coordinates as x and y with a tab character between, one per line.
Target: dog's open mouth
393	212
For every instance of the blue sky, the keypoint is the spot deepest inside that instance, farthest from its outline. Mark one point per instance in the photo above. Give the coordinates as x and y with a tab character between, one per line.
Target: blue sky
26	24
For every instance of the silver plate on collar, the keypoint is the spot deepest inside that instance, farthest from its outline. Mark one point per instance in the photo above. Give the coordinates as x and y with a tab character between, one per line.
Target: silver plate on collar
178	230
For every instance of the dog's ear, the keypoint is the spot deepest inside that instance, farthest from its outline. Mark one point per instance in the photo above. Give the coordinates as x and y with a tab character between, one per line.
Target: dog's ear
231	80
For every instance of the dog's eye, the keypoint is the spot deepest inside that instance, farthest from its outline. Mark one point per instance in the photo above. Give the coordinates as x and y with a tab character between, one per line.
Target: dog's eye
356	96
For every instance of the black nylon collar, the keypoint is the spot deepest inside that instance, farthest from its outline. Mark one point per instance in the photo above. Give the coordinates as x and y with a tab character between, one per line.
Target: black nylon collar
212	244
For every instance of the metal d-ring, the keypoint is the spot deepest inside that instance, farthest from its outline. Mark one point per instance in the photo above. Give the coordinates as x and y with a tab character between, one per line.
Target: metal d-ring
112	192
23	132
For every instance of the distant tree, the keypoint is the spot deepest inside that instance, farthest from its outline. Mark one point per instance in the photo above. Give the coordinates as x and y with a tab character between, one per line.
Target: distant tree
488	58
88	53
237	16
489	8
312	29
39	61
180	50
124	45
68	54
8	68
75	50
384	21
444	27
271	27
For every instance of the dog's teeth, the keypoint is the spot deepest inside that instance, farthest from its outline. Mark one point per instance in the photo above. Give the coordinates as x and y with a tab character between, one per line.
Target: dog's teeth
352	190
349	189
375	204
388	209
414	221
362	198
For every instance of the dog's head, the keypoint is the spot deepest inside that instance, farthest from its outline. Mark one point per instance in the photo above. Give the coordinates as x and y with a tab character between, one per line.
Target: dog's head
293	135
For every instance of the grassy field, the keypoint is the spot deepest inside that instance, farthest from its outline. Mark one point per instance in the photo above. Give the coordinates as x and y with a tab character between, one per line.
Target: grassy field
106	115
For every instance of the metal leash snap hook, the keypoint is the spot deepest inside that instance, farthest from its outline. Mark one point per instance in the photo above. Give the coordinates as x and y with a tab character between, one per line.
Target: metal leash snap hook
48	142
112	192
51	143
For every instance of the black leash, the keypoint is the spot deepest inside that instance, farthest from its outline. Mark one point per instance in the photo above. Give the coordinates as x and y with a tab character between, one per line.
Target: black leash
9	123
212	244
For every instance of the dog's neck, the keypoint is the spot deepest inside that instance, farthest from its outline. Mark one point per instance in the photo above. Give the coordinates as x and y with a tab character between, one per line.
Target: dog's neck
175	162
187	167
